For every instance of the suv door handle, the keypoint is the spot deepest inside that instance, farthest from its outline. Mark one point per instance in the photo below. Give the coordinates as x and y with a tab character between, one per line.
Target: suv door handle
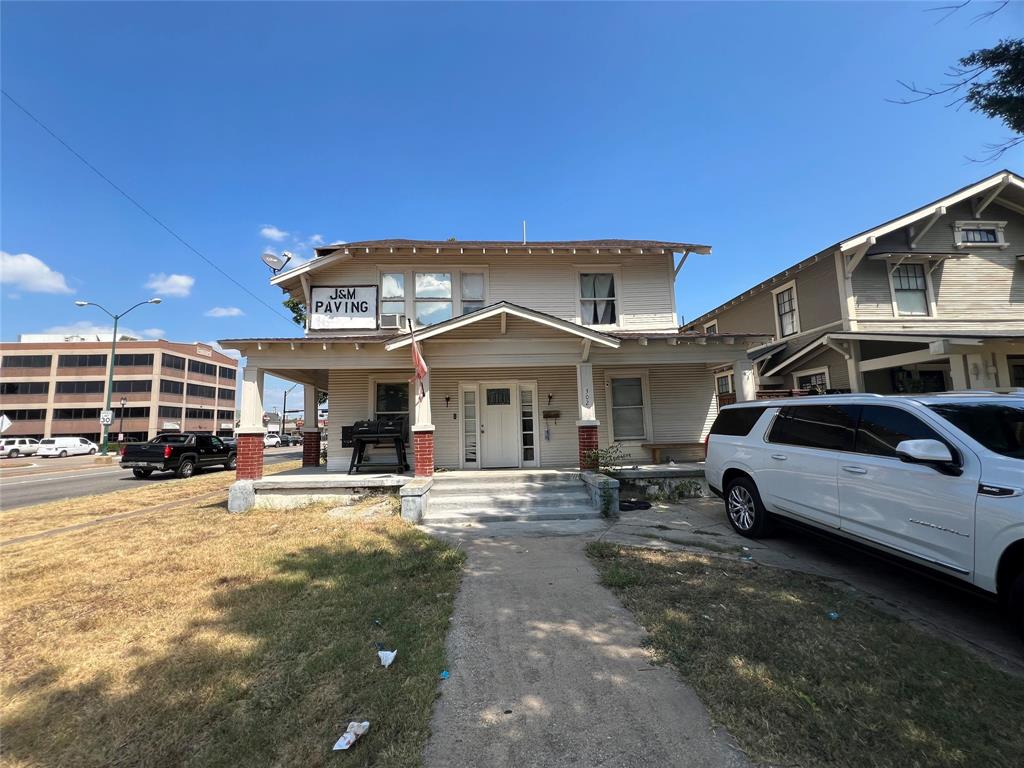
779	456
855	470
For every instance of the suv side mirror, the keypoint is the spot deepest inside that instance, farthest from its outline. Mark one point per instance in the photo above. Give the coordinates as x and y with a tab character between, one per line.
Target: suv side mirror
931	452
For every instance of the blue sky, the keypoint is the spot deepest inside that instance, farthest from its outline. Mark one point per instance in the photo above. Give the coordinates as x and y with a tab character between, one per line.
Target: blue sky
761	129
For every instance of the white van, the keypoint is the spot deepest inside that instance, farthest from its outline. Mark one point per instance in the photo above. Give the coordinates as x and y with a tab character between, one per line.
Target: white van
66	446
13	447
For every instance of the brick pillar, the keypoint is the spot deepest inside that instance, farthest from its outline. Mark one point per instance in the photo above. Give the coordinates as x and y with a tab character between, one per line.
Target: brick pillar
588	442
250	457
423	451
311	449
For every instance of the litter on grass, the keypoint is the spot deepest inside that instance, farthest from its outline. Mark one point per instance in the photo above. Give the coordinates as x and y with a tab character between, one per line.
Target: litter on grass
353	732
833	615
444	674
386	657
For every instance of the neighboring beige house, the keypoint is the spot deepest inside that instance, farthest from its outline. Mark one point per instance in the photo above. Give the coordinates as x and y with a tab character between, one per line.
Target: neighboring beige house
537	351
932	300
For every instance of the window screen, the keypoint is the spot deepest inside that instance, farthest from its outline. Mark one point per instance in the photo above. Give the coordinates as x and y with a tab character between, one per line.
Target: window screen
815	426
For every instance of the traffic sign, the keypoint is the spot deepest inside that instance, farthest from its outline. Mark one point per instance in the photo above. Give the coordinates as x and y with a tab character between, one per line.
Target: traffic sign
106	418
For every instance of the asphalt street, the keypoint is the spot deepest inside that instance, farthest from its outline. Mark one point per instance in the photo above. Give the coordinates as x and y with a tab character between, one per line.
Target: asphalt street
29	480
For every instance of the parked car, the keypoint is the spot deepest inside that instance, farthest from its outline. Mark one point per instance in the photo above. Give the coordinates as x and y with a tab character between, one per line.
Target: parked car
65	446
230	442
13	447
271	440
935	479
182	454
291	439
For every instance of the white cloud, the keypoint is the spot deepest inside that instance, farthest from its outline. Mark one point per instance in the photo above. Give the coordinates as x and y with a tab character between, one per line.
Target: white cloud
171	285
87	329
316	240
25	271
270	232
224	312
232	353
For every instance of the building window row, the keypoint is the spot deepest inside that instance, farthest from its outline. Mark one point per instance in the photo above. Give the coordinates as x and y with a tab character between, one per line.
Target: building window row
135	360
24	387
227	394
25	414
132	412
171	387
66	414
27	361
198	413
169	412
135	385
198	366
82	361
226	373
80	387
172	361
226	415
201	390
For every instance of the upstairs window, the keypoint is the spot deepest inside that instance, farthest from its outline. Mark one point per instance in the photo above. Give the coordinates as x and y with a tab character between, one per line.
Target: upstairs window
910	290
597	299
711	327
787	316
433	297
27	361
472	292
980	234
392	293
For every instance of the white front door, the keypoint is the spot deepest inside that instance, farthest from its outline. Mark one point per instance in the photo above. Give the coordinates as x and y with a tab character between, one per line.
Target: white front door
499	425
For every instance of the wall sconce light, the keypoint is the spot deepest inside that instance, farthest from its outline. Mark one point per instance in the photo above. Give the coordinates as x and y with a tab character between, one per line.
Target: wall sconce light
550	398
447	399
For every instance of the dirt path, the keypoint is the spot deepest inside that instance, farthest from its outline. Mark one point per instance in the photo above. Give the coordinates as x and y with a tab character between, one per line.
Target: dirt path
547	669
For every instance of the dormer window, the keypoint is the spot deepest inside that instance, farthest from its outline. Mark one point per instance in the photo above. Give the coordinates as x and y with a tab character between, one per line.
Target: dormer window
598	305
787	313
980	234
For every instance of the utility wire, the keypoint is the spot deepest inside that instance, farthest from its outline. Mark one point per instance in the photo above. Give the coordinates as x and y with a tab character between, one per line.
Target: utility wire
139	205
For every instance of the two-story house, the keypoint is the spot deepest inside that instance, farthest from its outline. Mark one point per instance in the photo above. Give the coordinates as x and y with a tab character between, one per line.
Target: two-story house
537	352
931	300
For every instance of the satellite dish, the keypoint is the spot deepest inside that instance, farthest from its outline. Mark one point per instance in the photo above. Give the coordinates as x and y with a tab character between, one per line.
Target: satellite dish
275	262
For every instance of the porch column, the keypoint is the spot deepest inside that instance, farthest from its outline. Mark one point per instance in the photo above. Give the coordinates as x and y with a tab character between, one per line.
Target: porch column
310	428
251	429
958	372
853	370
978	373
587	424
746	387
423	432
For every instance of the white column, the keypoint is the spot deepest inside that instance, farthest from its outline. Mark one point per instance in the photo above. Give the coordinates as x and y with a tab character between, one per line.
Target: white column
423	415
853	368
309	409
585	395
978	373
958	372
746	386
251	414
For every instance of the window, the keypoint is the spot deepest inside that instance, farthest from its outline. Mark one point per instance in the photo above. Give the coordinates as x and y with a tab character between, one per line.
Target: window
392	293
787	318
1016	365
498	396
227	374
980	234
27	361
198	366
815	426
882	428
24	387
168	412
433	297
597	298
25	414
228	415
82	361
79	387
391	400
226	394
527	424
815	380
132	412
997	426
64	414
172	361
201	390
469	426
910	289
736	421
138	385
711	327
627	401
724	383
198	413
134	359
472	292
171	387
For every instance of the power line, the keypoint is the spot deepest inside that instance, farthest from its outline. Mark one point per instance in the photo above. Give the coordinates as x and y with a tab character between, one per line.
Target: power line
138	205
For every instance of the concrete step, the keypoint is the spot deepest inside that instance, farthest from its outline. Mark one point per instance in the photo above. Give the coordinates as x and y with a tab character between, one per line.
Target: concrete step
511	477
506	499
473	487
444	515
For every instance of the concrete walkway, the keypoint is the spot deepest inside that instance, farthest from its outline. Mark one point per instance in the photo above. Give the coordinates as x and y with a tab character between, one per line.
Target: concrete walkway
547	669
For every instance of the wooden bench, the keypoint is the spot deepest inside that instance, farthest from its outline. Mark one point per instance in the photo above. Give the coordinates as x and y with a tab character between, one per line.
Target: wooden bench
657	448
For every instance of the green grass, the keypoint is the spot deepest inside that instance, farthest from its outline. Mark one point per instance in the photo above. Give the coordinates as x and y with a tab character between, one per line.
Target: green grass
796	688
201	638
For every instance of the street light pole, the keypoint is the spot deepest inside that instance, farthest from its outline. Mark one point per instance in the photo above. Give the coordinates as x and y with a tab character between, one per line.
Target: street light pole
124	402
113	352
284	408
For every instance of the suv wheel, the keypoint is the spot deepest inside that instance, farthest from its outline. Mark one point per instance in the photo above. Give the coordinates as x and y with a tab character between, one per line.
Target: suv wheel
13	454
746	513
1015	603
186	468
62	455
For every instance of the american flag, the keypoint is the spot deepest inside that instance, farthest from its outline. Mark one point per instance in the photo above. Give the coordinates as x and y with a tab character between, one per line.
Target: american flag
418	363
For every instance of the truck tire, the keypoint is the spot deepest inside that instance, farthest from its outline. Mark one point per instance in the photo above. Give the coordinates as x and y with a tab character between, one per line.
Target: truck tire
62	455
1015	603
142	474
231	463
186	468
745	510
13	454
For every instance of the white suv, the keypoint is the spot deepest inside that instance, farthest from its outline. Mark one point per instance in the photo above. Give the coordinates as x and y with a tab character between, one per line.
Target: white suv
936	479
13	447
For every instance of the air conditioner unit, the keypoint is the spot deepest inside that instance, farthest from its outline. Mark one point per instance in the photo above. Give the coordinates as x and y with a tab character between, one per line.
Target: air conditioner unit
395	322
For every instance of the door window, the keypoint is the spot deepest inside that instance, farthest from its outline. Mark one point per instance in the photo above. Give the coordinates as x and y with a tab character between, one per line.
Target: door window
526	422
499	396
882	428
391	400
815	426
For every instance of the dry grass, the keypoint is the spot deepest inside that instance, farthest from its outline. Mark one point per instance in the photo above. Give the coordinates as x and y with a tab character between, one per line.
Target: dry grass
24	521
795	688
199	638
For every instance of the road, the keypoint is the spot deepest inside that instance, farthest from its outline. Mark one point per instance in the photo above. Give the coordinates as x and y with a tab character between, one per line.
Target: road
28	480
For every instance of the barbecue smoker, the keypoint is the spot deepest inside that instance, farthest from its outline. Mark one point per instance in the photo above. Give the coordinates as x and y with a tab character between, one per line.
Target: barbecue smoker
376	432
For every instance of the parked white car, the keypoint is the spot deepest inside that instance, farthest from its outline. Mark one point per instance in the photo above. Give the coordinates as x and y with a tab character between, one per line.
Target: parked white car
271	440
13	447
935	479
66	446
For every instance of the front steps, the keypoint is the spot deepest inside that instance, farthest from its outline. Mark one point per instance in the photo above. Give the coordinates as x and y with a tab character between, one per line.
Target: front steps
508	496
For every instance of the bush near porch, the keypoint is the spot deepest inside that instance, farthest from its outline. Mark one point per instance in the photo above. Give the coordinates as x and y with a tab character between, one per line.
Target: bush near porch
199	638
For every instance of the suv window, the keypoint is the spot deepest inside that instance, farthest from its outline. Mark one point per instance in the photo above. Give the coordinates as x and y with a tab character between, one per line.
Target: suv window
997	426
815	426
736	421
882	428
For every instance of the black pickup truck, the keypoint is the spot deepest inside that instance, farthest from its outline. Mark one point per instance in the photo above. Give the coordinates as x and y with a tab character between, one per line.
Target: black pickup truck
182	454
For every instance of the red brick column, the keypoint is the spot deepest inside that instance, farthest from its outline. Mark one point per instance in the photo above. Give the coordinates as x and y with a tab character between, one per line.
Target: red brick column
311	449
588	442
423	452
250	457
